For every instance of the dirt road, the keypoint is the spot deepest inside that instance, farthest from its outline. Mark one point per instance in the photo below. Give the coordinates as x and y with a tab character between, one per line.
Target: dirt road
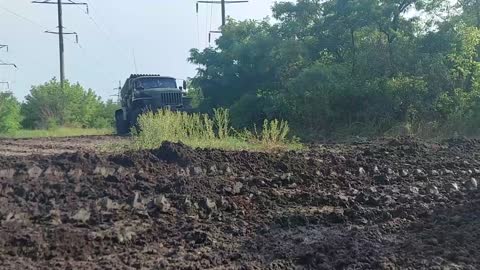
387	204
48	146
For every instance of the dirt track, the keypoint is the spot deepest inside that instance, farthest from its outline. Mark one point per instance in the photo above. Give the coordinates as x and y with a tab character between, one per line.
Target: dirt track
49	146
388	204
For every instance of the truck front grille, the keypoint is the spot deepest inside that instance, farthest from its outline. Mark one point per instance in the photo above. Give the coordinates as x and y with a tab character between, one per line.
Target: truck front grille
171	98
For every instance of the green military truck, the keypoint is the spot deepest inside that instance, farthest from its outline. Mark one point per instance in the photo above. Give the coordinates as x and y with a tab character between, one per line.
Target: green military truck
142	92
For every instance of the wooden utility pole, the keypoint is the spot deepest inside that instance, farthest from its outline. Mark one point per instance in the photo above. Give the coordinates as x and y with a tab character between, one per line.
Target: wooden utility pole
61	33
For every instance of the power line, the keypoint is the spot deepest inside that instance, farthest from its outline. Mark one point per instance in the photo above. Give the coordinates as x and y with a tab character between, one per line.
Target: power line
28	20
105	32
22	17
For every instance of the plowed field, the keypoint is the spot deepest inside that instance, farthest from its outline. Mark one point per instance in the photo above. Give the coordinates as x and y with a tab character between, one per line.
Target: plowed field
385	204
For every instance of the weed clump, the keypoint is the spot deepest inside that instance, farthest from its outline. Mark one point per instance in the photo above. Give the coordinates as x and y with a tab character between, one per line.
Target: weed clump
205	131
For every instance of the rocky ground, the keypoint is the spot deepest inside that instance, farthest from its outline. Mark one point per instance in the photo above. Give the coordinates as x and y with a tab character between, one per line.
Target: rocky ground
386	204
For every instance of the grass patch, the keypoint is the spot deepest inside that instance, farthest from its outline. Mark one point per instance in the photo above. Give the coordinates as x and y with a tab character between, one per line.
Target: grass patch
58	132
203	131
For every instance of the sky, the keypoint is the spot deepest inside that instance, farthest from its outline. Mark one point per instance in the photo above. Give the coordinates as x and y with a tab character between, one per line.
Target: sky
117	38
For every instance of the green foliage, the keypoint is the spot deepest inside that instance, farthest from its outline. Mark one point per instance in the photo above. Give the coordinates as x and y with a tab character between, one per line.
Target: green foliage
200	130
49	106
196	95
349	67
10	116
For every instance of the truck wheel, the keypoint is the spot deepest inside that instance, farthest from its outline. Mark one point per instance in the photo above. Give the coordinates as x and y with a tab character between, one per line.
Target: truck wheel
133	119
121	125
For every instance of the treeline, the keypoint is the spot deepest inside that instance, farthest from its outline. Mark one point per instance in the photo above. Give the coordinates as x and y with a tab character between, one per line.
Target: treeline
49	106
350	67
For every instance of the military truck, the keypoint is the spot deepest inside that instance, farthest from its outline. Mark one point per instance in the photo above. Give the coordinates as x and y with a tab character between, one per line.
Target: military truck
143	92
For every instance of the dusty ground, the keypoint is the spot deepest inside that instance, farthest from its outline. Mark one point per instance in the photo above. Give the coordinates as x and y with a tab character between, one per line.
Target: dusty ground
387	204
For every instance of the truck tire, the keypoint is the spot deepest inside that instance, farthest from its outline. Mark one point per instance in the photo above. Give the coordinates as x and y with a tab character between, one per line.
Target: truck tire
121	125
133	119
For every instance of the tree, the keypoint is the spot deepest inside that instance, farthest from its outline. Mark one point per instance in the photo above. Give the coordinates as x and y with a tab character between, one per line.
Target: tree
330	65
10	116
50	105
240	64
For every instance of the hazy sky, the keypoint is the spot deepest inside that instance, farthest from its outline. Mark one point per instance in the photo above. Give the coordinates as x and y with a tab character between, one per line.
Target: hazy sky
159	33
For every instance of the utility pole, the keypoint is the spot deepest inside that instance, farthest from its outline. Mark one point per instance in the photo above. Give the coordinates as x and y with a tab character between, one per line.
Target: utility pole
224	16
118	89
8	64
60	43
223	3
210	35
60	32
3	63
7	84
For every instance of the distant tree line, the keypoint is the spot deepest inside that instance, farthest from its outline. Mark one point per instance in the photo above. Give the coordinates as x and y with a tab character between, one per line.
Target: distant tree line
49	106
350	67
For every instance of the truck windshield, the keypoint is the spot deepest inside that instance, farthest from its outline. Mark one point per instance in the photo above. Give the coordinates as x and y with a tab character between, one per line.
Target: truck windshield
149	83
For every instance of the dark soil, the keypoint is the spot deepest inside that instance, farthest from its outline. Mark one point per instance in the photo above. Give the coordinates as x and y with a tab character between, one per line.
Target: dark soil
386	204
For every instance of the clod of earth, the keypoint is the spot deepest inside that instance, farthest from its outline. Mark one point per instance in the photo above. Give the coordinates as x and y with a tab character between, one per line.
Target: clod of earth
208	205
447	171
83	215
453	187
7	173
471	184
108	204
34	172
361	171
433	190
197	170
162	203
136	201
